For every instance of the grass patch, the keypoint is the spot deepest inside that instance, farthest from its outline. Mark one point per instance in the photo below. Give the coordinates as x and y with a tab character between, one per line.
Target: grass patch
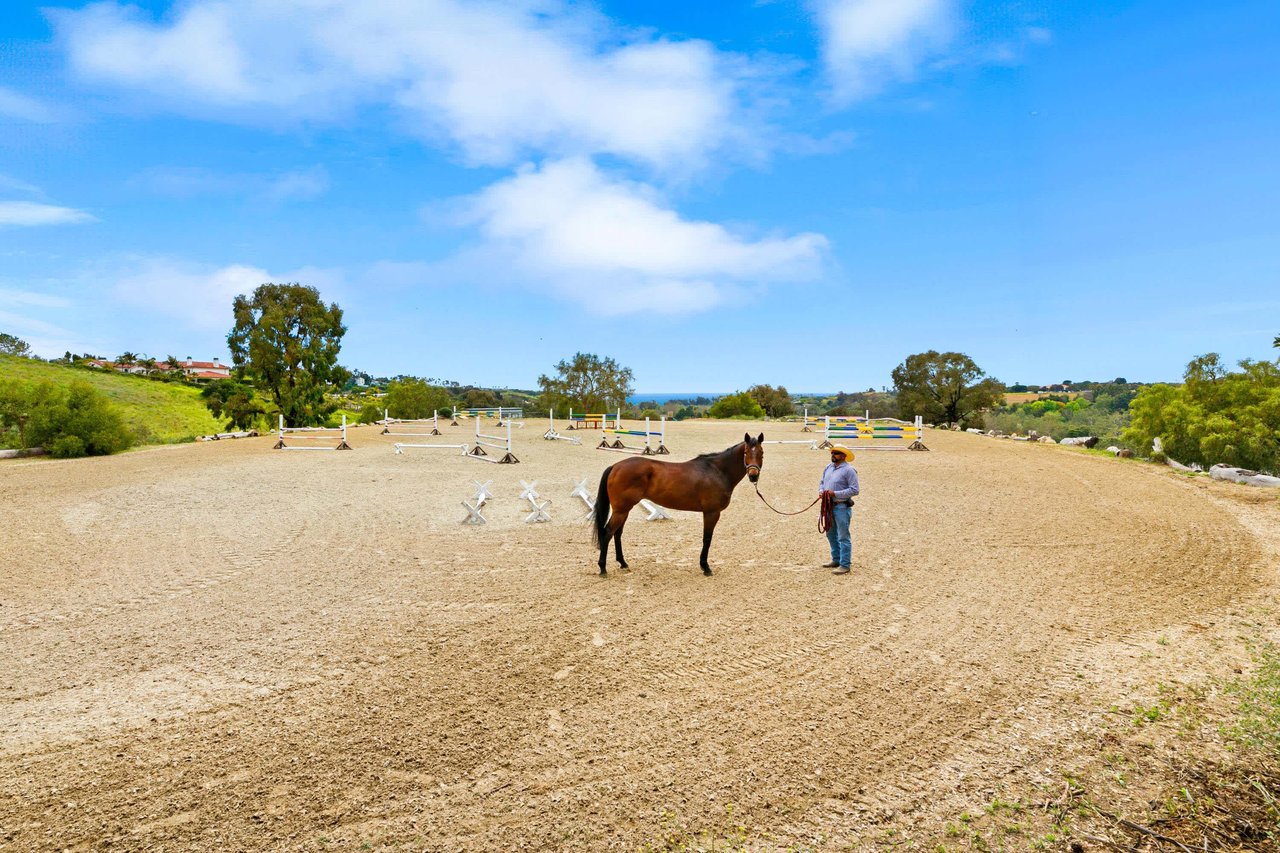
156	412
1257	724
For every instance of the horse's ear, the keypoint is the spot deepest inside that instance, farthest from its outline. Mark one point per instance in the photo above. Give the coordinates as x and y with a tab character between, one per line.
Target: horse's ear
760	440
746	436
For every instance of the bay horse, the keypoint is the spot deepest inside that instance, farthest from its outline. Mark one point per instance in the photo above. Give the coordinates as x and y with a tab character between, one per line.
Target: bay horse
703	484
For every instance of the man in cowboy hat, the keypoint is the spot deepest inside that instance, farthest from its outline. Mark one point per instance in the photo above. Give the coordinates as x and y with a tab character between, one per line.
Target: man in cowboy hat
840	481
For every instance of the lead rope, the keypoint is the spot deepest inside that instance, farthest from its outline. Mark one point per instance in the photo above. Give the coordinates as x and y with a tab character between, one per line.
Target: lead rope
826	515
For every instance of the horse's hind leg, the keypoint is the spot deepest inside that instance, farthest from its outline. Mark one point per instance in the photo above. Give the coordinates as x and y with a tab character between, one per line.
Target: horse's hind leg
604	552
709	520
621	519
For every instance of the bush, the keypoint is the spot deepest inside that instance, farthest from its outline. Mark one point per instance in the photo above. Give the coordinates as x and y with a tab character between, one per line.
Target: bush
67	447
1215	417
74	420
740	405
414	398
370	412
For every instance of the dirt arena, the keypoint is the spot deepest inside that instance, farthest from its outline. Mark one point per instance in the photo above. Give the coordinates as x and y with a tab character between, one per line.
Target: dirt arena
224	647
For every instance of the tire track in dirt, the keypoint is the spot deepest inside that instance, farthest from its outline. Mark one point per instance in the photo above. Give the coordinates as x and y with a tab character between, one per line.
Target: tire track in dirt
377	673
241	562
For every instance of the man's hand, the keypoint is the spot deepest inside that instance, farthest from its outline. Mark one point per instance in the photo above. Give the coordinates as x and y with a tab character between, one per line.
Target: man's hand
828	493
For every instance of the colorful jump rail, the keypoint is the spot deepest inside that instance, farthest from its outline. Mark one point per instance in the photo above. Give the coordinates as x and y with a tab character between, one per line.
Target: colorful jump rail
648	450
880	434
811	423
599	420
501	413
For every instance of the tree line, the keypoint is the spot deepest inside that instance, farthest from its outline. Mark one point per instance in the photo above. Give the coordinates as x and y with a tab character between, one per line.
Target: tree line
285	342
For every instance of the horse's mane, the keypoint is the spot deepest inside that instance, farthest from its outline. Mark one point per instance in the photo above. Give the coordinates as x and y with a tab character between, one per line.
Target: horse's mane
713	454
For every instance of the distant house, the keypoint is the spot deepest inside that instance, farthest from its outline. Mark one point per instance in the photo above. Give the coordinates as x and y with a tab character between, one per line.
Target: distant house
200	371
205	369
103	364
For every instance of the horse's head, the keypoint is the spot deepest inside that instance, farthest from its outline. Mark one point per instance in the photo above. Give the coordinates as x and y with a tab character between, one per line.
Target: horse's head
753	455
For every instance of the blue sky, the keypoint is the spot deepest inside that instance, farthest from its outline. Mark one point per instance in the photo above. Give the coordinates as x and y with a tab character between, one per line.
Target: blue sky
718	194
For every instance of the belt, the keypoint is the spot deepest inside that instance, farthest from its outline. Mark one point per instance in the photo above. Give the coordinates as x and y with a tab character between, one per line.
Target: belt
843	503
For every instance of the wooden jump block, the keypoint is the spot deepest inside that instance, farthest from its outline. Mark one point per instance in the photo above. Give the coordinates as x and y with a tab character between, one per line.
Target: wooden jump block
656	513
473	512
539	513
580	491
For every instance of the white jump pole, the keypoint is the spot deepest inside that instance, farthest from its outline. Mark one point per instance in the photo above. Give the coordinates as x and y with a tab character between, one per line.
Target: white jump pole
478	451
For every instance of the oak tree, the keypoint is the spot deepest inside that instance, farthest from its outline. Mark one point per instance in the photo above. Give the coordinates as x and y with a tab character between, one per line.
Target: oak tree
286	342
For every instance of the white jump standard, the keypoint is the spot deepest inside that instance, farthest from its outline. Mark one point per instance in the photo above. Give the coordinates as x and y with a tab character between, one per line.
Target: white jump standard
599	420
647	450
400	446
313	434
878	434
495	441
552	435
388	422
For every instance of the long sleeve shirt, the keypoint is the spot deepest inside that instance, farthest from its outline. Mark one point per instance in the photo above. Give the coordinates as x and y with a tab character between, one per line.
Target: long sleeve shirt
841	479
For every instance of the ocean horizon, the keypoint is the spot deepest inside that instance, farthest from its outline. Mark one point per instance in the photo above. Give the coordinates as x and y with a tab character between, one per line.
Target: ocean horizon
666	397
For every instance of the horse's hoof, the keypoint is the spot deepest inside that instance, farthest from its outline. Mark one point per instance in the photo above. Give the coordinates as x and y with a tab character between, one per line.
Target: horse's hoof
603	572
623	566
706	570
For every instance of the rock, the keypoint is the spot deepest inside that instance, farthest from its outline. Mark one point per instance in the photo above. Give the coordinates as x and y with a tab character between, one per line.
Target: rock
1243	475
1046	439
1124	453
1081	441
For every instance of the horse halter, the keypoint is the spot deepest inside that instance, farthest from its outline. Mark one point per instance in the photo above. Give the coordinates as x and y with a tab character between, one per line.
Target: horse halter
746	461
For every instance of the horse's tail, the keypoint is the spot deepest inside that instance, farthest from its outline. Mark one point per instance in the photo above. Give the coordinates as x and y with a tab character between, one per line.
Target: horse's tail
598	534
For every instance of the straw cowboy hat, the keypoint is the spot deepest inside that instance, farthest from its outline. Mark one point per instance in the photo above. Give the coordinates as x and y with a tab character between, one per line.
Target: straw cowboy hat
840	448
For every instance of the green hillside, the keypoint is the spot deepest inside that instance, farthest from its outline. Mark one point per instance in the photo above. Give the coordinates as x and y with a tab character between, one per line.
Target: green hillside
157	412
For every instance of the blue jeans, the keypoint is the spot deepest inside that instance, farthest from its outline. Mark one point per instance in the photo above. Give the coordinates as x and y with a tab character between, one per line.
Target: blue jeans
838	535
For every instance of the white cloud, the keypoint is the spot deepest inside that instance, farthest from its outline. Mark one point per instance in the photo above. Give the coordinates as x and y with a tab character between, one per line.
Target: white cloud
870	43
33	213
615	248
499	80
198	296
16	105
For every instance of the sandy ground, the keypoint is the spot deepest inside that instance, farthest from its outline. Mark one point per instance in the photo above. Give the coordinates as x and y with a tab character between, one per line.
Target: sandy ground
225	647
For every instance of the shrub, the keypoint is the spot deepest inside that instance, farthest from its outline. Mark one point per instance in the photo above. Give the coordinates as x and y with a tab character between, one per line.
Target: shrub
370	412
740	405
413	398
67	447
75	421
1216	416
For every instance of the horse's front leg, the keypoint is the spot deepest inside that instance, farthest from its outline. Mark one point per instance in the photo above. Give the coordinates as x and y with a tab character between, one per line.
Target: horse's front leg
709	520
621	519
